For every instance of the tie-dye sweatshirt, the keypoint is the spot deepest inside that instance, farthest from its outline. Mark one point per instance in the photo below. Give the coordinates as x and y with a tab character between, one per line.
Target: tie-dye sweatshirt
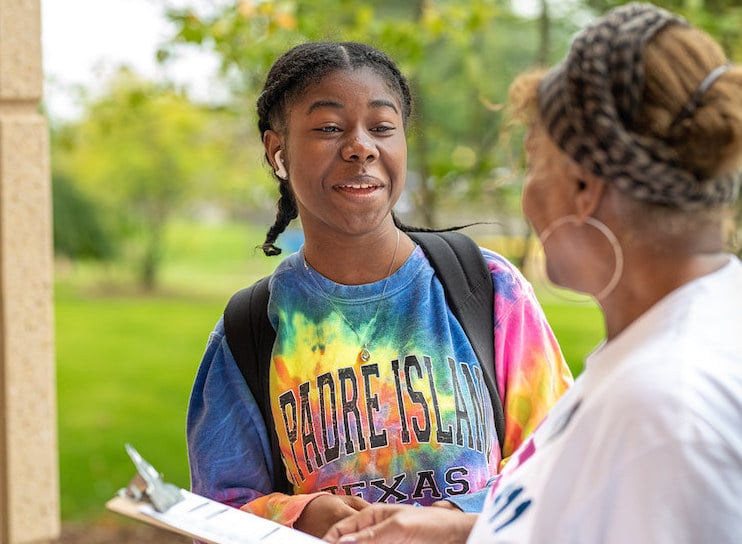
412	424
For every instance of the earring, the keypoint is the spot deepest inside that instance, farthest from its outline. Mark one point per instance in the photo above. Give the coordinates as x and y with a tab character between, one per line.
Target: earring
281	169
605	231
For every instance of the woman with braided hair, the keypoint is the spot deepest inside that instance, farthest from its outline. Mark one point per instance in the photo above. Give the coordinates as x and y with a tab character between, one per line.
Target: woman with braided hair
634	149
376	394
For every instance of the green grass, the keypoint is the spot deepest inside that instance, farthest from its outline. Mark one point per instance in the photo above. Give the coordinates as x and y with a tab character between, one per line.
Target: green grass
214	258
579	329
125	367
126	361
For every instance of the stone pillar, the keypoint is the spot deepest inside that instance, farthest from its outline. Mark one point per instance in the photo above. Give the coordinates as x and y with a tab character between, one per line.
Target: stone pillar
29	475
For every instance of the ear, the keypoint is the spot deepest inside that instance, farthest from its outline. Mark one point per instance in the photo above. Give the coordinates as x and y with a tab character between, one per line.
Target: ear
588	192
273	144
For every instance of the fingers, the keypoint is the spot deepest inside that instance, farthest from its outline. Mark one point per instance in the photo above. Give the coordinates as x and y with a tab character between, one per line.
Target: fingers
393	524
361	537
348	526
445	504
356	503
356	528
320	514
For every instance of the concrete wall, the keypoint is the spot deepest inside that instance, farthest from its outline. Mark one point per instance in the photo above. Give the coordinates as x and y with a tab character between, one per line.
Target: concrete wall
29	488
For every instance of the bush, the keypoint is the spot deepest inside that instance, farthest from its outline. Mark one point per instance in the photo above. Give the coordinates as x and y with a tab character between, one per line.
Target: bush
78	230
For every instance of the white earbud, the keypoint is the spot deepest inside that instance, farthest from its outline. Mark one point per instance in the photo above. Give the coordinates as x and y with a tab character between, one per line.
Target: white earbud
281	169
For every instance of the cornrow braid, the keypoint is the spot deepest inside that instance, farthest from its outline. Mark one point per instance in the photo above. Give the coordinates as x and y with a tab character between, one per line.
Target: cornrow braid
291	75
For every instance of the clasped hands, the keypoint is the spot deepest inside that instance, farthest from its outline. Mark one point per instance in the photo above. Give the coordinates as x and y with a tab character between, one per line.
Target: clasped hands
342	519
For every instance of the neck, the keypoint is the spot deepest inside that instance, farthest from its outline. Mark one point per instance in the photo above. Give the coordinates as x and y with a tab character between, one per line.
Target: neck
648	279
361	259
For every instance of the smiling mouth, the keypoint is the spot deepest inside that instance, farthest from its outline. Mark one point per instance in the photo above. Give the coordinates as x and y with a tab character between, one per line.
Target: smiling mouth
362	184
358	186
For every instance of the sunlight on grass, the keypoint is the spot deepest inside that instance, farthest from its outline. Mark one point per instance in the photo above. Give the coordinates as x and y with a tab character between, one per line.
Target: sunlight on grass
126	362
125	368
578	328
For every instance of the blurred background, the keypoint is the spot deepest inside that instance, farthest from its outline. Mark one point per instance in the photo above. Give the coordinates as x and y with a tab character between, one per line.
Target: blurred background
161	193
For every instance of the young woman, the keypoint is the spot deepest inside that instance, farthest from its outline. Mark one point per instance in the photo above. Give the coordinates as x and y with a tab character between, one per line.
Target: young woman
375	391
635	154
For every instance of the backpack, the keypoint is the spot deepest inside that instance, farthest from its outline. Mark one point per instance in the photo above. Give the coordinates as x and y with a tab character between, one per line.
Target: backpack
466	280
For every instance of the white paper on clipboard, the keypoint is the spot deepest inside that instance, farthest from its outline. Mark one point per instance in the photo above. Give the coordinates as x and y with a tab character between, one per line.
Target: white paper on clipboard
210	521
150	499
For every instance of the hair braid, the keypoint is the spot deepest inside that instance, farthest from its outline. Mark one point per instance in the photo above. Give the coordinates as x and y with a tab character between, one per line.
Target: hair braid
286	213
408	228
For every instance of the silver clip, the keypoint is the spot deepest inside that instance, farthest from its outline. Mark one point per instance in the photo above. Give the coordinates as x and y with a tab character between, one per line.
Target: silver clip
148	485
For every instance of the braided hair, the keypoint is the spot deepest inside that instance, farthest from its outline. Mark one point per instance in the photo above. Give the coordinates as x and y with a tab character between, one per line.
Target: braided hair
290	76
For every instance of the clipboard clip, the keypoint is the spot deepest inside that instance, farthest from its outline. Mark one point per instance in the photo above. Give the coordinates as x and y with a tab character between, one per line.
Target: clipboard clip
148	485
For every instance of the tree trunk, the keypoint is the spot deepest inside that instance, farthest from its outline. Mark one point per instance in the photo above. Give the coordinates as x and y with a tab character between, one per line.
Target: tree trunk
152	257
542	58
427	201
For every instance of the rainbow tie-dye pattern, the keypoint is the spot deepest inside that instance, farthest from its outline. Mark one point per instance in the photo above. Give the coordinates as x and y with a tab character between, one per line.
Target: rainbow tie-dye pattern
413	424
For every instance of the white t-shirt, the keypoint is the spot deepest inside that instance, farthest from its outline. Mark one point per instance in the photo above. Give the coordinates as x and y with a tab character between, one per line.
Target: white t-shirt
647	445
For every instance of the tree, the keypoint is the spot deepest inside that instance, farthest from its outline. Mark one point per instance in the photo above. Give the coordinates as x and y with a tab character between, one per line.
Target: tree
459	57
79	232
144	151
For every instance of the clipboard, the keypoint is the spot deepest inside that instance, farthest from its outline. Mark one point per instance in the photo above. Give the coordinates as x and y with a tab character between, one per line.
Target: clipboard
150	499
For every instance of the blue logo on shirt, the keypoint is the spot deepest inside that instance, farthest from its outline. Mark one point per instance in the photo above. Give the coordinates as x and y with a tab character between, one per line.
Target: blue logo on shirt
507	507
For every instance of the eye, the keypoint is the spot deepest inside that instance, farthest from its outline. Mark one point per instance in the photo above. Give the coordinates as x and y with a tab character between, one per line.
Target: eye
383	128
329	129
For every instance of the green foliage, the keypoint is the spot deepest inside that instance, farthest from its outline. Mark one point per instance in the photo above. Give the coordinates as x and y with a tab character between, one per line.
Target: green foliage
145	152
459	57
78	229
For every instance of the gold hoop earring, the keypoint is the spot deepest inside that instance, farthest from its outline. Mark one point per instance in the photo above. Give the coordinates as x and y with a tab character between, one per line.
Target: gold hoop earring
605	231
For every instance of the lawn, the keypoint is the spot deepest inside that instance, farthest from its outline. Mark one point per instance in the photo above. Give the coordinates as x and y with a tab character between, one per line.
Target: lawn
126	361
579	329
124	369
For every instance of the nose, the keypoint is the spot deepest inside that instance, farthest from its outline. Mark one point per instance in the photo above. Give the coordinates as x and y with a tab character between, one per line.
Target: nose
359	146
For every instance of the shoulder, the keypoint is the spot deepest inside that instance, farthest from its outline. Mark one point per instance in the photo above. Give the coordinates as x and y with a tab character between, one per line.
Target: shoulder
510	283
499	265
680	360
675	390
287	267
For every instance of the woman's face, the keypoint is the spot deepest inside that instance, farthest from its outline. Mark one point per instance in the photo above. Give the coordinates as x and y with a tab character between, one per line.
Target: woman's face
546	191
546	182
346	153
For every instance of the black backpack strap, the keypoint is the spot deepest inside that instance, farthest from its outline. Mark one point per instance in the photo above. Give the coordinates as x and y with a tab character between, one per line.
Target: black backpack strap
467	282
250	337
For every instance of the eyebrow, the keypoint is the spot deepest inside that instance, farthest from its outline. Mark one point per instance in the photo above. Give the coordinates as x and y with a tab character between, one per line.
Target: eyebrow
333	104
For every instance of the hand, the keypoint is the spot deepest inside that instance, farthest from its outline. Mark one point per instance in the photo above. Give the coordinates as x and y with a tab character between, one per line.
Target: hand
390	524
448	505
321	513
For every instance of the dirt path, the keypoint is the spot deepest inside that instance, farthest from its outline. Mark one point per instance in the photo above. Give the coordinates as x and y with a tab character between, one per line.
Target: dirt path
118	533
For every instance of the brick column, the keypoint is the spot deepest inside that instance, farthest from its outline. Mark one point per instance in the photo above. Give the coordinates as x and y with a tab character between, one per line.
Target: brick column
29	480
